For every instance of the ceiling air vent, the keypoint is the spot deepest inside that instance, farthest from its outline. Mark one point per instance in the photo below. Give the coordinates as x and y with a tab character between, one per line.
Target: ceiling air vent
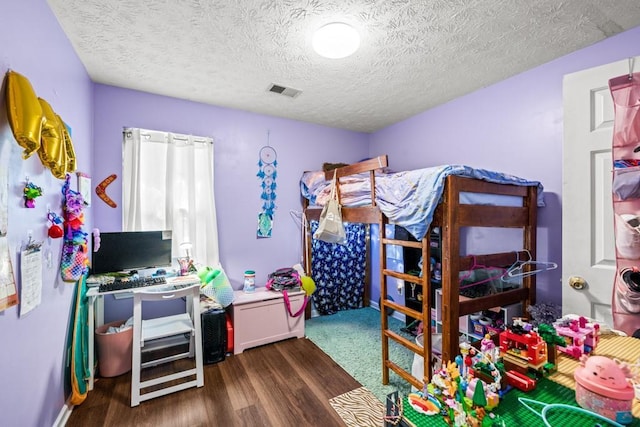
286	91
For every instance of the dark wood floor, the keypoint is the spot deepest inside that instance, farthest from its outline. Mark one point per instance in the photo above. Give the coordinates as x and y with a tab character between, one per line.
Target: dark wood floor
288	383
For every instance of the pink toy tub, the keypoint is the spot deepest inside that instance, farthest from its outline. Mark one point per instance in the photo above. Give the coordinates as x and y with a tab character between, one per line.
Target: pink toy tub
602	387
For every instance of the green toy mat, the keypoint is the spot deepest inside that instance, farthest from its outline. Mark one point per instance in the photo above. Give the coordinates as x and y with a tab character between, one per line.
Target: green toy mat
513	413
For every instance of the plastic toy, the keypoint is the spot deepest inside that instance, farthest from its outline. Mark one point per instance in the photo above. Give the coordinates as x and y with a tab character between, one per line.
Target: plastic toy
603	386
523	350
520	381
580	336
31	191
54	224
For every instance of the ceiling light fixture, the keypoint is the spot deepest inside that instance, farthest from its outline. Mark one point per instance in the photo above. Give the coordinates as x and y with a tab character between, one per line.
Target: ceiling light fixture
336	40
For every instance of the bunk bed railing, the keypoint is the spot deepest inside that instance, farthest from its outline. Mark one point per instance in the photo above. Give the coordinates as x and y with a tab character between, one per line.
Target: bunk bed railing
362	214
452	215
369	165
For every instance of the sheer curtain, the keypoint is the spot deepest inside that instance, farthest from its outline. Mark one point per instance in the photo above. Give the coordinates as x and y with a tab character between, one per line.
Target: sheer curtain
168	185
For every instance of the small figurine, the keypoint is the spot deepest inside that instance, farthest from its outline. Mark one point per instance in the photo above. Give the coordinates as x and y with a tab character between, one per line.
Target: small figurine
31	191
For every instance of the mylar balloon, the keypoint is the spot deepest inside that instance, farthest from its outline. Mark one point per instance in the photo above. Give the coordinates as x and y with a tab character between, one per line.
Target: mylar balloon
59	167
68	145
24	113
52	142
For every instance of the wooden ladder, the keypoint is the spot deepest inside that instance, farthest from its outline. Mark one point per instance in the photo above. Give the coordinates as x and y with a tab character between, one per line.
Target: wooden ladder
423	284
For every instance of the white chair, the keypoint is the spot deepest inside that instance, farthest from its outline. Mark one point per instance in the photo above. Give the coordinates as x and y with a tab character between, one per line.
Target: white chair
156	333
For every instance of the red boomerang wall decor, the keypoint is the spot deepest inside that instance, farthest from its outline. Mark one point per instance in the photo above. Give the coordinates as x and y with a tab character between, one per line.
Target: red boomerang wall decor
100	190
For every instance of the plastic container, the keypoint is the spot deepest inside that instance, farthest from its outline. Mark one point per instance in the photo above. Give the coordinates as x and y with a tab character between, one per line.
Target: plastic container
417	368
602	387
114	350
249	281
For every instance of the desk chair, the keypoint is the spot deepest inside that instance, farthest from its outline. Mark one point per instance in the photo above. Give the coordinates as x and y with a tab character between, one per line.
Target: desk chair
148	336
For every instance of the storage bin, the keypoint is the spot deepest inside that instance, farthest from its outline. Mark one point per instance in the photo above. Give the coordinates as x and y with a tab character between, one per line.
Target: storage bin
114	349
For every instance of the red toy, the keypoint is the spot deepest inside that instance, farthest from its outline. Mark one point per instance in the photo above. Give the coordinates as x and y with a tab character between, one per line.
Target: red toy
520	381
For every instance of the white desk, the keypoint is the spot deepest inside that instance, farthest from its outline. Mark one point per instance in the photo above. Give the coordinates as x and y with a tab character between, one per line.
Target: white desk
95	312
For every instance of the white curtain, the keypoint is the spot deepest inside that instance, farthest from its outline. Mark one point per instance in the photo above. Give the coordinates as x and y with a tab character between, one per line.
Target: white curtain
168	185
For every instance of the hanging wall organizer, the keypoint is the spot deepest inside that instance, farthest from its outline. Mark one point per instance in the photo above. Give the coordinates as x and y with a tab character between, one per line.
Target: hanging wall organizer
625	151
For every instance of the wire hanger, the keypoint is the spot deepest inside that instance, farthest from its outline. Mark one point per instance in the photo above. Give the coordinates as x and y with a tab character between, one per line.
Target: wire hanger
487	279
477	266
469	272
520	268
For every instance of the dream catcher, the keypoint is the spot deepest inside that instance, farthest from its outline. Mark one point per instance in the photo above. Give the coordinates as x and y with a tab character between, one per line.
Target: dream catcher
267	173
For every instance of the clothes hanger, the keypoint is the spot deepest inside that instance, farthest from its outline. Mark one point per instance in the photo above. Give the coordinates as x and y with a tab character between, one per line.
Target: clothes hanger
519	268
469	272
477	266
488	279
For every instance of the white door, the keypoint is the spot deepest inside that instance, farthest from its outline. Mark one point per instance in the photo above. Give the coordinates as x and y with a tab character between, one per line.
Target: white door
588	244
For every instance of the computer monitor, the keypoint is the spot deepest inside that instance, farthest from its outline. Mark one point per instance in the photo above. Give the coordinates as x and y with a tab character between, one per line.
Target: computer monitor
131	250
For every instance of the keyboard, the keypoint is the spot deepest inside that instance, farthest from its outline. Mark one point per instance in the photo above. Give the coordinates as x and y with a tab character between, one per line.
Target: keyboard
121	284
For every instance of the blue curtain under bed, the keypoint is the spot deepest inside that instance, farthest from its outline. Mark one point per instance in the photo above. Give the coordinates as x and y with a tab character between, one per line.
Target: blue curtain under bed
339	270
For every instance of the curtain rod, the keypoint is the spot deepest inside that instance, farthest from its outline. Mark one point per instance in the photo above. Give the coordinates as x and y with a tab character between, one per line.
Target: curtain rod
147	134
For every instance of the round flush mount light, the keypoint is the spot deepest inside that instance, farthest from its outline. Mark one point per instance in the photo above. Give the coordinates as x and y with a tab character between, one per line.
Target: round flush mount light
336	40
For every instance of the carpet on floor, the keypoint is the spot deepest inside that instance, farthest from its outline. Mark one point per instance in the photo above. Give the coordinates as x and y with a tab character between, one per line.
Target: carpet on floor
352	338
359	408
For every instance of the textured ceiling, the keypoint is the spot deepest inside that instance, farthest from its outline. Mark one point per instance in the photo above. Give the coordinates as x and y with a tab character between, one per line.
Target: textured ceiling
414	55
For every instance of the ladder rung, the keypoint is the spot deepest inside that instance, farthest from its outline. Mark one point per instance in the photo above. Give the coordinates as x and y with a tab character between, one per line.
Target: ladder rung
402	309
403	276
404	374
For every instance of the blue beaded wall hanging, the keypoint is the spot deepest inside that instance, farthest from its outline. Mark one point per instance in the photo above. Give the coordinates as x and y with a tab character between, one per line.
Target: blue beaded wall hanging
267	173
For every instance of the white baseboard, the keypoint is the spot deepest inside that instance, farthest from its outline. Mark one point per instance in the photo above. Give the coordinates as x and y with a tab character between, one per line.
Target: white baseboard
64	415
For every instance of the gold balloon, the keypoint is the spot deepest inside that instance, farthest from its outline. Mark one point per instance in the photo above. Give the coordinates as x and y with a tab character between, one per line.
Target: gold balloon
24	113
70	151
59	167
52	141
56	150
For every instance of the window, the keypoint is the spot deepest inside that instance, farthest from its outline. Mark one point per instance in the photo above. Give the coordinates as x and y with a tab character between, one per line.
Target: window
168	185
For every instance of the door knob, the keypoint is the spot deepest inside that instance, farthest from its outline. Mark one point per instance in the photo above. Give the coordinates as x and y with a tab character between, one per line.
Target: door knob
577	282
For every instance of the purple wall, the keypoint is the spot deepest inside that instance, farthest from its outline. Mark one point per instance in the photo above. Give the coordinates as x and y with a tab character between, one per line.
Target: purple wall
238	137
33	356
514	126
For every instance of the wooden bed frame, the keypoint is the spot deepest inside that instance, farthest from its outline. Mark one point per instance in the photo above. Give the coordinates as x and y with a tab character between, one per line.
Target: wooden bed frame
450	216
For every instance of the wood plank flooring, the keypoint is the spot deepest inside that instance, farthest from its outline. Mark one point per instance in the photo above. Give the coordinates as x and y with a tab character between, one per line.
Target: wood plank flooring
288	383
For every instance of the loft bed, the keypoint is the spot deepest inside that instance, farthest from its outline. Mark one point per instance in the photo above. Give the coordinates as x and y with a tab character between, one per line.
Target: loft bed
418	201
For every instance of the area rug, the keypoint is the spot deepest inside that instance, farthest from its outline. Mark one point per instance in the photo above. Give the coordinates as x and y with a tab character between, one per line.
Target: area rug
359	408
